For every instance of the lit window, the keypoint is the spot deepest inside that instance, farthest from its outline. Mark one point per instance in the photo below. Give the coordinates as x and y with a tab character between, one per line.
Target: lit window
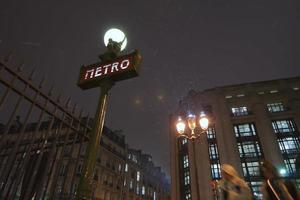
239	111
289	144
291	165
124	182
183	141
130	184
215	171
283	126
228	96
154	196
134	158
273	91
126	167
186	178
120	167
243	130
138	176
211	133
295	88
251	168
275	107
249	149
261	93
256	185
137	189
185	161
188	196
143	190
213	151
240	95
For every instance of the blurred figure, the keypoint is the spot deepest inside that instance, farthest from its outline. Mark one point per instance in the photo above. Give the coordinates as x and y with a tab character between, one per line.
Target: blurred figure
273	187
232	187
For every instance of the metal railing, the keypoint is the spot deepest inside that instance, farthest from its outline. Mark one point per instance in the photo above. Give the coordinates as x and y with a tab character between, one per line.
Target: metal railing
40	134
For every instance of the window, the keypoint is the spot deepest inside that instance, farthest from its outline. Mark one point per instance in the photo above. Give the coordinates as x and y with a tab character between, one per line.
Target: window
188	196
186	178
291	165
126	167
249	149
185	161
275	107
250	153
239	111
137	189
283	126
213	151
211	133
289	142
138	176
273	91
184	141
289	145
251	168
256	185
143	190
215	171
243	130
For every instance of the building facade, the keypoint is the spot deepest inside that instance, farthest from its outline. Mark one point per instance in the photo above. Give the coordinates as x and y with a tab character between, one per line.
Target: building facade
121	173
249	123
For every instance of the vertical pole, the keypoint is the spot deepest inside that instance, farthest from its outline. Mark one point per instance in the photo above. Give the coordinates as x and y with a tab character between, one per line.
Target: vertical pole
196	169
84	190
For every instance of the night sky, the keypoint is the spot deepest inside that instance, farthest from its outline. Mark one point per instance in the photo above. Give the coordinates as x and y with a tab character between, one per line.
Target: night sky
184	44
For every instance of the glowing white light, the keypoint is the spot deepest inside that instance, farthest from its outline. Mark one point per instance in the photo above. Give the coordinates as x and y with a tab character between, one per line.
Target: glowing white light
117	36
203	121
282	172
180	126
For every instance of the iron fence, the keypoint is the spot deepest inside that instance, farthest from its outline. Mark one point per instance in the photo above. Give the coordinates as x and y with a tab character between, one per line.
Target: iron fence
42	138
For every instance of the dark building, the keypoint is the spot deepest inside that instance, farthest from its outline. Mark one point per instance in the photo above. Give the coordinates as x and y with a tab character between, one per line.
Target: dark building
249	122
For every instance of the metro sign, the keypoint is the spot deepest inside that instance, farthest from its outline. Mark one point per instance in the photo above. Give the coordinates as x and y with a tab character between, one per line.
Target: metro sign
121	68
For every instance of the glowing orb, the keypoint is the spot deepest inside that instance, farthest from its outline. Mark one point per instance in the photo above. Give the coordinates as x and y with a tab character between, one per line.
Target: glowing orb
117	36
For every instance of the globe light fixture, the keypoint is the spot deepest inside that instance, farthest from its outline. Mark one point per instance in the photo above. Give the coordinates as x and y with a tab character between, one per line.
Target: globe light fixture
180	126
203	121
191	120
115	35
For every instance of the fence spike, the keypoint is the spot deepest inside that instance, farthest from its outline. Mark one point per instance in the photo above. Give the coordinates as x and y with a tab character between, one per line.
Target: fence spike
51	90
42	82
21	66
68	102
32	74
58	98
74	108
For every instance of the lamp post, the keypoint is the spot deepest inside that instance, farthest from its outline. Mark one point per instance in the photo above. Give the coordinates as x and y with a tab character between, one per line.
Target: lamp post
200	127
104	74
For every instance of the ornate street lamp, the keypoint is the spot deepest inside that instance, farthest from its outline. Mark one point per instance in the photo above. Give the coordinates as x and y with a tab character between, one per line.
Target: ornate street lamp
191	120
195	132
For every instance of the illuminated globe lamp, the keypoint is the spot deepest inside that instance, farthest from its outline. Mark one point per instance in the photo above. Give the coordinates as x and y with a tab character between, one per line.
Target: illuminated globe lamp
191	121
115	40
